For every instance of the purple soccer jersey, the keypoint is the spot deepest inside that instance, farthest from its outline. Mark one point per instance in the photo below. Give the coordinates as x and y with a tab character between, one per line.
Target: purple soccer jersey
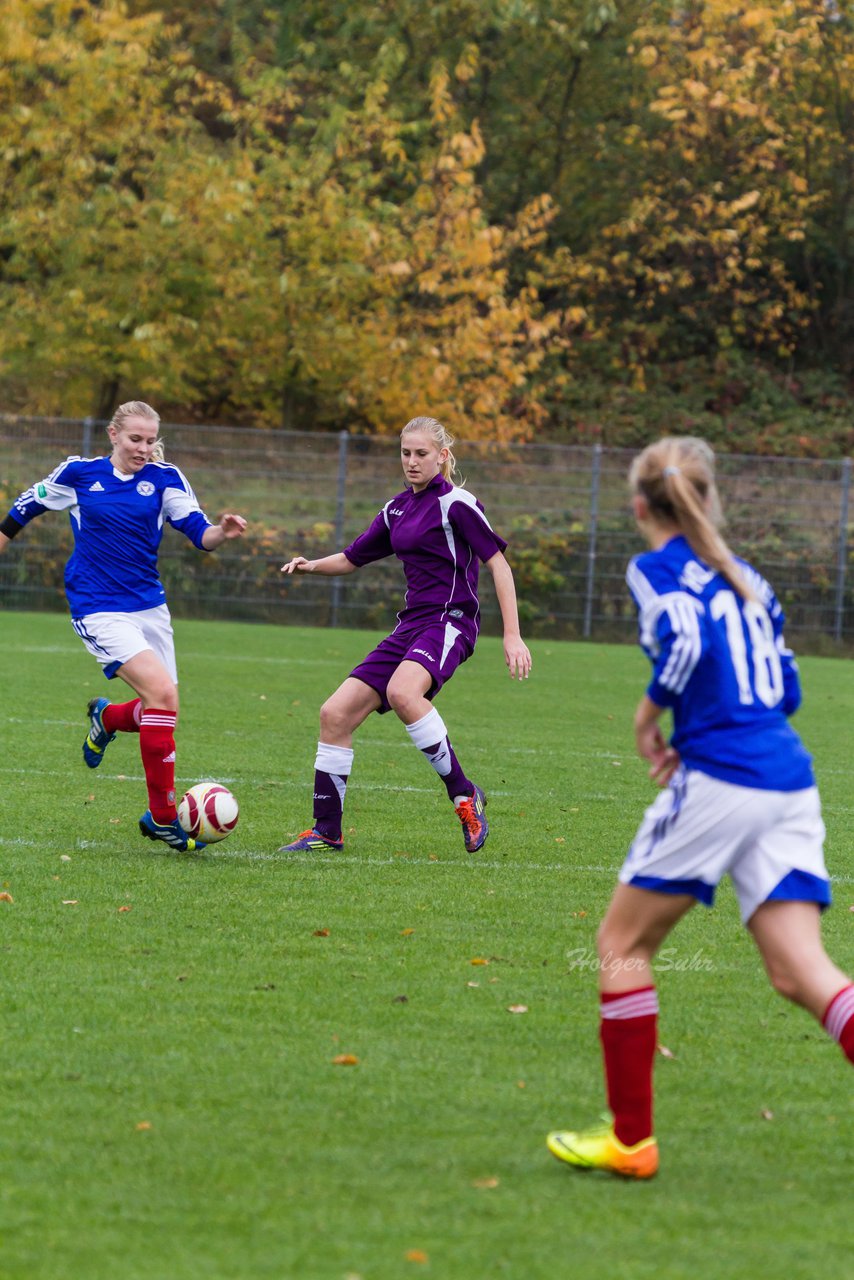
440	535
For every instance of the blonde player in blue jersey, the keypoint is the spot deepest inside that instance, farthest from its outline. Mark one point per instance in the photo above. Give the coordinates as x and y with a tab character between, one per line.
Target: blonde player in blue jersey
118	505
739	799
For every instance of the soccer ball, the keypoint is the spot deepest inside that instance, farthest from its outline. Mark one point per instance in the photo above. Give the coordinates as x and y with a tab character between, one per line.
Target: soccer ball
208	812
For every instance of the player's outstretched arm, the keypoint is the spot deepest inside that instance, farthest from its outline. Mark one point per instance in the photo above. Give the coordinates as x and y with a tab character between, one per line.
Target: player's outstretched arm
516	652
229	526
329	565
4	542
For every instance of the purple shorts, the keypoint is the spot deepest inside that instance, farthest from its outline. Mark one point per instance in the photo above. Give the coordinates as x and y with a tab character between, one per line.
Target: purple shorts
439	647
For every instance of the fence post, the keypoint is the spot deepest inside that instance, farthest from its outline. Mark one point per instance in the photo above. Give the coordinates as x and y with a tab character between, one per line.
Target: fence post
88	424
591	542
335	589
842	548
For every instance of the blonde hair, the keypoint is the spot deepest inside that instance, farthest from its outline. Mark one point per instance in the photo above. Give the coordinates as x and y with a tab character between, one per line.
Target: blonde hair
138	409
440	436
676	476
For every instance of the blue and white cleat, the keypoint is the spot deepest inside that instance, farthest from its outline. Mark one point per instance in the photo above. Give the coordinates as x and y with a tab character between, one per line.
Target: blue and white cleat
171	833
312	841
475	826
97	739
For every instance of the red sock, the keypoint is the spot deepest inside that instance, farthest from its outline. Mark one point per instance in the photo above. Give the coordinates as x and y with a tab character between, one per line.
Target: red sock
157	748
838	1020
629	1032
122	717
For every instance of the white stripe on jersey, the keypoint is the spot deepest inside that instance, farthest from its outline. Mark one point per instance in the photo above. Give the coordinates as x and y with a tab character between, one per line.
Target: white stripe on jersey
178	503
445	503
682	611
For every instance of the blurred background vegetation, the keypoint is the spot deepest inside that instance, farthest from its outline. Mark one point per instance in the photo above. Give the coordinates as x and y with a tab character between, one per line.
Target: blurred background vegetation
537	219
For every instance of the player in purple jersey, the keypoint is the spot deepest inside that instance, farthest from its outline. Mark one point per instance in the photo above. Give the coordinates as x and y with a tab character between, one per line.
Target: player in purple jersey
440	533
118	505
740	796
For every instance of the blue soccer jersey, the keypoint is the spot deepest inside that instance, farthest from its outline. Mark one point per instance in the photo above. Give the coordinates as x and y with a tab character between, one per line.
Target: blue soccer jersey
721	664
117	521
440	535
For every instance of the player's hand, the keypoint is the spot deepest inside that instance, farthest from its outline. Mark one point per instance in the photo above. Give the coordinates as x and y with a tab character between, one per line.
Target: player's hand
299	564
518	658
664	759
232	526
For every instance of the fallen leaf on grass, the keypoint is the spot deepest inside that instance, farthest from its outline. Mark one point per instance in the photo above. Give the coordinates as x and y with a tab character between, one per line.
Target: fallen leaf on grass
70	902
6	897
125	908
345	1060
65	857
766	1114
115	821
400	1000
517	1008
472	984
520	1084
485	1184
665	1052
143	1124
417	1255
320	933
405	933
480	960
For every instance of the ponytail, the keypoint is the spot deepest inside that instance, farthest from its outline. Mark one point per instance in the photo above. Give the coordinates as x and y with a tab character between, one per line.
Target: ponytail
676	476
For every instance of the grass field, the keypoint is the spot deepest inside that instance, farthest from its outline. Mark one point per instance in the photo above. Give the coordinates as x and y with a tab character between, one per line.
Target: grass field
171	1109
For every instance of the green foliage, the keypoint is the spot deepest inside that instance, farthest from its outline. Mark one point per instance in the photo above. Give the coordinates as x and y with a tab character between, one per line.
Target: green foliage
505	212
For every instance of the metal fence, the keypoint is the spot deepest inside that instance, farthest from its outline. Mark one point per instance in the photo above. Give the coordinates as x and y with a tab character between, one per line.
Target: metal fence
563	509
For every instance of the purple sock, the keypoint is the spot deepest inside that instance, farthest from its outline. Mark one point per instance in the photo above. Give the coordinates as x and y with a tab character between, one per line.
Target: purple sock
332	767
431	738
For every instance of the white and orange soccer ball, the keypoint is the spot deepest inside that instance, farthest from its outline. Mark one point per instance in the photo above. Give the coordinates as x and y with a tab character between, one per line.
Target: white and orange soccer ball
208	812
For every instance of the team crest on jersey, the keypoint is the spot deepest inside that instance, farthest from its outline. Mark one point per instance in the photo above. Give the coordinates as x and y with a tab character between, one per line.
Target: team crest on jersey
146	488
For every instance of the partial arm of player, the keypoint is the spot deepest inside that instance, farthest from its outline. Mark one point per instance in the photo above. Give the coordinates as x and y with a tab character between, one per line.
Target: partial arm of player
229	526
516	653
4	542
652	744
328	565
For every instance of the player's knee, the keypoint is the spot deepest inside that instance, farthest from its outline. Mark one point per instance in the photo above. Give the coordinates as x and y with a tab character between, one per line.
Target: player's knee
163	694
333	720
401	701
611	941
784	982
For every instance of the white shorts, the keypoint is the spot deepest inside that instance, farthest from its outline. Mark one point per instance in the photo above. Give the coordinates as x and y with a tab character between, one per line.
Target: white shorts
700	829
115	638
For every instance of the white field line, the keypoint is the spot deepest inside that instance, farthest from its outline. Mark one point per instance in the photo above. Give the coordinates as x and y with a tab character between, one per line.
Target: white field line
349	860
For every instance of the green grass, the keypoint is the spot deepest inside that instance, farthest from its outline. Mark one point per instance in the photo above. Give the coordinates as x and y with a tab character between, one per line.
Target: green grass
212	1010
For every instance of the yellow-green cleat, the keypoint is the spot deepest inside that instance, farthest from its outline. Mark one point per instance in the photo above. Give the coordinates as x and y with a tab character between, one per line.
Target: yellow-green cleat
600	1148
